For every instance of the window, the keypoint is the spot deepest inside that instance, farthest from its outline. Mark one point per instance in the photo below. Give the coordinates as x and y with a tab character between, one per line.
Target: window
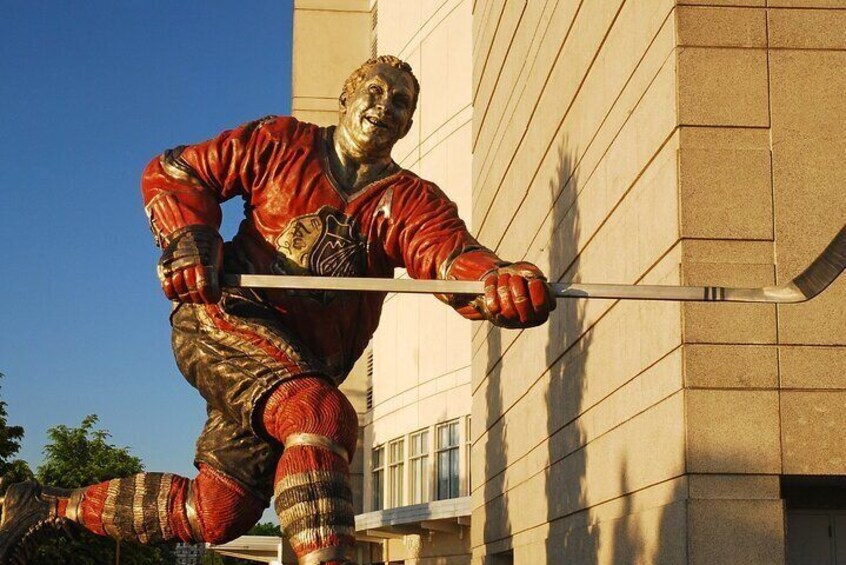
448	460
418	460
378	469
468	452
396	469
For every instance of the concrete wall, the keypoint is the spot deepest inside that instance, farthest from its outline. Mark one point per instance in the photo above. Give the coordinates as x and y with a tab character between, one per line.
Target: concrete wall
643	142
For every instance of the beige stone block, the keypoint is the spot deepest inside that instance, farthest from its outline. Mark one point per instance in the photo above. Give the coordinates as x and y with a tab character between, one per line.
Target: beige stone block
731	252
807	3
647	527
704	137
725	194
812	428
728	323
316	117
753	3
808	108
432	337
736	531
730	366
808	112
807	29
732	431
335	54
812	367
722	87
734	487
706	26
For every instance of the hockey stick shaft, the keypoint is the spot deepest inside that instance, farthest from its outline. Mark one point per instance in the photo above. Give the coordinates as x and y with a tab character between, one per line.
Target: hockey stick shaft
813	280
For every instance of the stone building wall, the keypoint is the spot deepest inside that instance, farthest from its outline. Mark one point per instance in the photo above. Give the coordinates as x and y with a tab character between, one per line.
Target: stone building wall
642	141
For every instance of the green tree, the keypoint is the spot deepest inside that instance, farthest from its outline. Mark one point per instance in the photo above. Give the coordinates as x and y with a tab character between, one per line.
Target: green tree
78	457
82	456
11	470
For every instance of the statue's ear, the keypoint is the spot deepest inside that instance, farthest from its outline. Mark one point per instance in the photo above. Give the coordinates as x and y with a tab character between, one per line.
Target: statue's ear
342	102
407	128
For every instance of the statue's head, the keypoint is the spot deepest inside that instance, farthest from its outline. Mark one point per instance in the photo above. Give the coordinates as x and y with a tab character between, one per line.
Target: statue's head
377	104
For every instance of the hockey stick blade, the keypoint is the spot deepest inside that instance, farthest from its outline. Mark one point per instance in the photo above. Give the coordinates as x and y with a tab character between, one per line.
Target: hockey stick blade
825	269
812	281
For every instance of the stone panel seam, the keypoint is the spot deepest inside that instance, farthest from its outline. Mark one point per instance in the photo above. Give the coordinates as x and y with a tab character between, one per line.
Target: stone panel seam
487	51
775	247
376	417
475	101
589	144
478	180
578	90
587	243
584	410
505	350
585	508
425	30
528	62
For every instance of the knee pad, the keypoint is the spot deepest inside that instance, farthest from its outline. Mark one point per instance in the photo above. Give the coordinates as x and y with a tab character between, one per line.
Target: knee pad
218	508
312	411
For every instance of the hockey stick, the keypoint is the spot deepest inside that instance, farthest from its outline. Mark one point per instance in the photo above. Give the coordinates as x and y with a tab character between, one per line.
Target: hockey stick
812	281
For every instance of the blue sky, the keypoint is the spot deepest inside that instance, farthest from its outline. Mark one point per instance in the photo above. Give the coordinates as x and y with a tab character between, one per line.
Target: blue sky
89	93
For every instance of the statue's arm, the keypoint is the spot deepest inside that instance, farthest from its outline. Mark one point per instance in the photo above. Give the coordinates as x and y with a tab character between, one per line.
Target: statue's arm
431	241
182	190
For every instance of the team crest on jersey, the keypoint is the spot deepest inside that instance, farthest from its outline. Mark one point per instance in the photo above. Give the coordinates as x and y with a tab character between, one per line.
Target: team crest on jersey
325	244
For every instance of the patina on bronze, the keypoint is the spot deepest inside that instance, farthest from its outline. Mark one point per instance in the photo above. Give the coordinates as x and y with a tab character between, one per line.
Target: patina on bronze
327	202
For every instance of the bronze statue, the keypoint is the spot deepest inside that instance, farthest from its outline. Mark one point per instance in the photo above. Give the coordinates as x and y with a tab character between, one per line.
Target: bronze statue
321	202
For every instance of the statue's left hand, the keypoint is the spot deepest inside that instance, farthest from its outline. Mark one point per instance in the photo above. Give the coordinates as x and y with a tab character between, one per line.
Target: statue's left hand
517	296
189	268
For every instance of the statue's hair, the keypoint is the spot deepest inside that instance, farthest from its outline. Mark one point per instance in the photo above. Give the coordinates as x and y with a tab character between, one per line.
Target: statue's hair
358	75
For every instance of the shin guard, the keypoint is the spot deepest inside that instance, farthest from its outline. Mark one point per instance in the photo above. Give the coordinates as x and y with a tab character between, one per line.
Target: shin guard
161	507
318	427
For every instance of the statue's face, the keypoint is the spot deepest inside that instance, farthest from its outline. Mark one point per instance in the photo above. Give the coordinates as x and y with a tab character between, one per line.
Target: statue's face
378	113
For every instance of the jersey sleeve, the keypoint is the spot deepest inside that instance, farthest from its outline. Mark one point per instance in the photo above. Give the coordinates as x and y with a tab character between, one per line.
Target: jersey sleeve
185	185
431	241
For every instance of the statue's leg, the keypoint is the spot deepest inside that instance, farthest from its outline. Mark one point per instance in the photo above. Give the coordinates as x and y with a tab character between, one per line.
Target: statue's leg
159	507
260	378
319	428
146	508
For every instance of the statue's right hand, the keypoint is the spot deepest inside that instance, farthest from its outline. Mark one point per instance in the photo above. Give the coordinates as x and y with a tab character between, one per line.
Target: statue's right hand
189	268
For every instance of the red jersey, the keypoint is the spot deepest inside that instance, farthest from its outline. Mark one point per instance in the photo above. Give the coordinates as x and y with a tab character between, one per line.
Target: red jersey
298	220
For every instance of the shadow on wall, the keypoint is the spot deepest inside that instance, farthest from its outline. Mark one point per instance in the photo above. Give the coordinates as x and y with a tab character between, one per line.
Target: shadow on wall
566	356
577	534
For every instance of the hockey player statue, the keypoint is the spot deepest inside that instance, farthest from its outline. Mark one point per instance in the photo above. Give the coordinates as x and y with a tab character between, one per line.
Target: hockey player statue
318	201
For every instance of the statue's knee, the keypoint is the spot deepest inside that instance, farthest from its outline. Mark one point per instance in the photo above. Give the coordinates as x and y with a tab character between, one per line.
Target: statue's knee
224	509
221	528
312	406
